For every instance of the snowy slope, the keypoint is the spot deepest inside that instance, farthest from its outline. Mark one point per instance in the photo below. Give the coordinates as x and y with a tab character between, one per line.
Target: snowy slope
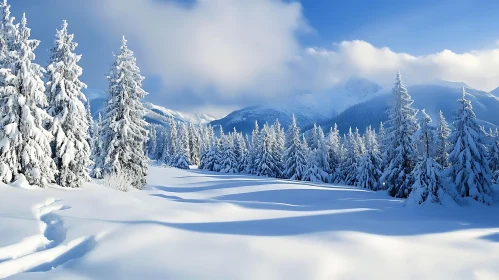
199	225
157	114
307	108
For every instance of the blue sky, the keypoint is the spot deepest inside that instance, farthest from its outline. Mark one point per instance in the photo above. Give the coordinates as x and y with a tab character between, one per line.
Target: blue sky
197	58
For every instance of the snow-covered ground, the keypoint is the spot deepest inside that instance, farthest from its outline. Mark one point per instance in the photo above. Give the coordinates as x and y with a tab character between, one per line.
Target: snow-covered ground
201	225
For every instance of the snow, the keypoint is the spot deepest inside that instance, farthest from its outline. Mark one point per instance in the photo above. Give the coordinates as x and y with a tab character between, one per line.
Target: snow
192	224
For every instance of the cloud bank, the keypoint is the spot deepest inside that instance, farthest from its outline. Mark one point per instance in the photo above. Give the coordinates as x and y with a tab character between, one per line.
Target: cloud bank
233	53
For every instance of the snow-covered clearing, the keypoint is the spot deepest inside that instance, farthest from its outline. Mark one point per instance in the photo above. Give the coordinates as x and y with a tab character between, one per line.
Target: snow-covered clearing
200	225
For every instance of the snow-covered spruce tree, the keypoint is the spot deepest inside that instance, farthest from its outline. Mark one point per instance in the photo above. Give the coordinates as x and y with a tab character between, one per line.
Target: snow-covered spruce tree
124	130
349	165
96	157
240	152
152	142
91	124
207	158
8	31
314	138
318	163
278	149
494	157
170	145
400	149
469	169
369	168
194	144
181	158
333	143
295	159
443	133
246	164
70	124
427	187
218	150
255	149
24	142
229	161
264	159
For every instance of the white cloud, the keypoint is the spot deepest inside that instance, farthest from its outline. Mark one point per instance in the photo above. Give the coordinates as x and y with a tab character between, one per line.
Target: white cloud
230	46
231	53
479	69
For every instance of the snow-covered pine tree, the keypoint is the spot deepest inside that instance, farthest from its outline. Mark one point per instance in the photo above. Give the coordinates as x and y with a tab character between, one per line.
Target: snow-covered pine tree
427	187
124	130
333	143
8	31
194	144
170	143
255	149
278	149
183	154
70	121
207	157
240	152
349	165
247	156
229	160
24	142
91	124
369	167
443	133
469	169
152	142
400	149
318	163
264	159
494	157
218	151
98	160
295	159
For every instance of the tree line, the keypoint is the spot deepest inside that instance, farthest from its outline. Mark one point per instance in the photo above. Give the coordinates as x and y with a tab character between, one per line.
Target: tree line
409	158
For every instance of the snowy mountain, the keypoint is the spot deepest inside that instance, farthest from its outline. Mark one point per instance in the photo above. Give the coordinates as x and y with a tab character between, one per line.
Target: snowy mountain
307	108
156	114
495	92
160	115
244	120
432	97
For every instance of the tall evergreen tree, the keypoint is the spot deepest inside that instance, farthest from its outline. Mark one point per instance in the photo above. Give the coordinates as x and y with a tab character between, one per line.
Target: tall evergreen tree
70	124
349	165
469	169
194	144
401	150
24	142
229	160
124	132
427	187
369	168
494	157
295	159
264	159
91	124
152	142
318	163
181	158
96	171
333	143
255	149
278	149
443	133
